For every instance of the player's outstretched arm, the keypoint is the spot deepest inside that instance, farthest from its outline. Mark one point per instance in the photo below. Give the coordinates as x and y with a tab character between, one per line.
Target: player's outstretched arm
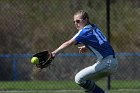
63	46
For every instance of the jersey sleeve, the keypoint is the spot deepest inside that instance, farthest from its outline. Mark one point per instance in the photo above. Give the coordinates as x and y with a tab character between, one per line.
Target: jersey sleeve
79	37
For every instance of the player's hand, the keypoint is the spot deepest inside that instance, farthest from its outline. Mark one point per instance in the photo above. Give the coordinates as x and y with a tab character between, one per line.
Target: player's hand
82	49
53	54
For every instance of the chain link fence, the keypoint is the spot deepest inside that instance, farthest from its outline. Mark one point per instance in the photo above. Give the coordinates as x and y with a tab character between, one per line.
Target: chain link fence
30	26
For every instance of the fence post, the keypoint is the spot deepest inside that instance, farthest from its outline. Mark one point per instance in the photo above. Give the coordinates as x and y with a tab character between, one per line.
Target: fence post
108	34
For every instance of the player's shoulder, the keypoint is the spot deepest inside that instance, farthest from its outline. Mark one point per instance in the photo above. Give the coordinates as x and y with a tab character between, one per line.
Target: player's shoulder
86	28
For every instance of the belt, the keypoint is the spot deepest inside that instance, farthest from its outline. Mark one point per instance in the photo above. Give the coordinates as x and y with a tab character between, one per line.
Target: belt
113	56
110	55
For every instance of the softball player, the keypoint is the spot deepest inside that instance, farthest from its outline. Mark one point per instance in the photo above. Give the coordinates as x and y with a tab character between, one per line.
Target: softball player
90	36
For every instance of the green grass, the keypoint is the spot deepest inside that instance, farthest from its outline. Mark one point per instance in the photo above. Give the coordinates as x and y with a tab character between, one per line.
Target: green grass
124	84
72	92
118	86
38	85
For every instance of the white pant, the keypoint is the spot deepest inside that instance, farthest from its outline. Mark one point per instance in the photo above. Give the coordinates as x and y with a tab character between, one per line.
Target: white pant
100	69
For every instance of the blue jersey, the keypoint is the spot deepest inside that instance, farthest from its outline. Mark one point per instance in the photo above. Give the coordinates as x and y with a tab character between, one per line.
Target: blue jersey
94	40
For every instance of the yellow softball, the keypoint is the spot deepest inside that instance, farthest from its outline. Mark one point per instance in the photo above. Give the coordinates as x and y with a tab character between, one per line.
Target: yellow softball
34	60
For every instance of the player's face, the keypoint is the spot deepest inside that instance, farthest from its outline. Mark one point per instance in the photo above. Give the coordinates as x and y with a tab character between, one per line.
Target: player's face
79	22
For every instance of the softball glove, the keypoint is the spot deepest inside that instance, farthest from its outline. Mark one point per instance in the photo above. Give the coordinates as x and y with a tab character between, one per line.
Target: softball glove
45	59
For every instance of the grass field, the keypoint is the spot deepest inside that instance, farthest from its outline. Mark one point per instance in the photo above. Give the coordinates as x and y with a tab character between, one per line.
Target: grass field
64	87
65	91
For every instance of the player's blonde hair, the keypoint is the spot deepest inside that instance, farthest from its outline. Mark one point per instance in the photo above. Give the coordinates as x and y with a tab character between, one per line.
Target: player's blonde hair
83	14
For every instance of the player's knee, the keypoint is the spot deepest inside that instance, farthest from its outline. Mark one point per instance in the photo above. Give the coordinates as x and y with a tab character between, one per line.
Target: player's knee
78	79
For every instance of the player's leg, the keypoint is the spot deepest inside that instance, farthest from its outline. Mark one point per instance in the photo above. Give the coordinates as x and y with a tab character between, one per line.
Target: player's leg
91	87
95	72
83	79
